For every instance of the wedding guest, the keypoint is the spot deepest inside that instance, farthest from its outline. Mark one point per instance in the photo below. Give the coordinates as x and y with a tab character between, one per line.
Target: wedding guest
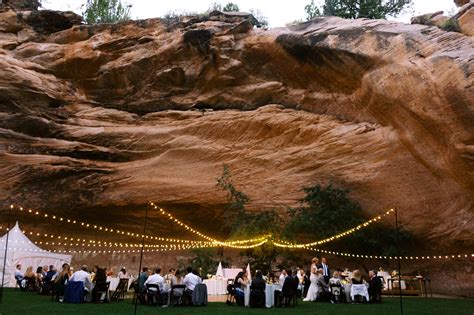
30	279
45	270
123	274
60	281
257	291
100	281
336	278
48	279
177	280
142	277
288	290
375	287
18	274
300	275
323	288
356	277
240	282
50	274
190	281
83	276
282	277
156	279
39	278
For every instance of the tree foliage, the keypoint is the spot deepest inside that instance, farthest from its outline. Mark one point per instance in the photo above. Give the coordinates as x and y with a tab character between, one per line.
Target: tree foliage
355	9
231	7
327	211
262	20
106	11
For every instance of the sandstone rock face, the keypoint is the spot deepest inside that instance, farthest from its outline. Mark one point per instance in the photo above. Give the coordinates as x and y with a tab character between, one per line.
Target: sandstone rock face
104	118
465	19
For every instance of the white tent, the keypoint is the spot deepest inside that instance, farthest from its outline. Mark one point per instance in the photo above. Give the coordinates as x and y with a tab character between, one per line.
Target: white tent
22	251
220	271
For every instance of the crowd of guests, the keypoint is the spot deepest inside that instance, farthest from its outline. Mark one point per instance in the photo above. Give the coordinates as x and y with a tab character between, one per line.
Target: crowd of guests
315	284
186	287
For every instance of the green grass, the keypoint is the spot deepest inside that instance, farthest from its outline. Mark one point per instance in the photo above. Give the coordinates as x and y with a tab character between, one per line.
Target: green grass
16	302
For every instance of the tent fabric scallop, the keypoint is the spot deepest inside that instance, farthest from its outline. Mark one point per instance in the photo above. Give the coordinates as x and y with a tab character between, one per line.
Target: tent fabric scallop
24	252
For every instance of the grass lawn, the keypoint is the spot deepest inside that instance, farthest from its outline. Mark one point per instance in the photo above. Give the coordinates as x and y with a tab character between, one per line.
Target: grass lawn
16	302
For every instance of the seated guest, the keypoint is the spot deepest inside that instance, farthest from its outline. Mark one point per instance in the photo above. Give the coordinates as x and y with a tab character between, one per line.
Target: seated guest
45	270
177	280
39	278
190	281
48	279
156	280
142	277
288	290
375	287
100	281
123	274
357	277
240	282
257	291
282	277
336	278
323	287
60	281
30	279
19	276
50	274
83	276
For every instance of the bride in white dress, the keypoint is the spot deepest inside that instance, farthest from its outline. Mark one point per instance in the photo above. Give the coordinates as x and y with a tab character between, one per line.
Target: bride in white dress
313	288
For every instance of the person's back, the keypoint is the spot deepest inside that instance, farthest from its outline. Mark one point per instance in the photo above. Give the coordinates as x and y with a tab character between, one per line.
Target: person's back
258	284
141	280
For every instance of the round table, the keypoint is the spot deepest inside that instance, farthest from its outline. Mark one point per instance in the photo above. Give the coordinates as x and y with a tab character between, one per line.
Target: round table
216	286
270	294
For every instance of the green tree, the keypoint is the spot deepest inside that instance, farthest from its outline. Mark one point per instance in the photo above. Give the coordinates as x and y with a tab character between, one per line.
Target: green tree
231	7
262	20
355	9
326	211
106	11
215	6
234	213
312	11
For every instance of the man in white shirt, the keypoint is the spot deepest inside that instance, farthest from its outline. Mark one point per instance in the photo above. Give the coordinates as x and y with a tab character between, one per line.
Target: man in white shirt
19	276
283	275
191	280
155	279
84	276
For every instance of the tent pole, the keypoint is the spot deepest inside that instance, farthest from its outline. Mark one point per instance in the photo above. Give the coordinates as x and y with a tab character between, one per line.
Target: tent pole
6	249
141	255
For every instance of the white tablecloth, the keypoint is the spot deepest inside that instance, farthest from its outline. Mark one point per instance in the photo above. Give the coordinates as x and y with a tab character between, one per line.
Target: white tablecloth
359	289
347	291
216	286
270	294
393	284
114	281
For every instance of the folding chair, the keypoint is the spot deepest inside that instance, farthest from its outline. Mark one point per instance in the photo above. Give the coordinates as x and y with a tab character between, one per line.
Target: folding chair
176	294
154	294
336	293
230	295
119	293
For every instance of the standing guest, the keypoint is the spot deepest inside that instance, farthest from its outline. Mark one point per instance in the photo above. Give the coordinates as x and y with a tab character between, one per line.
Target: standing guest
83	276
45	270
288	290
282	277
142	277
326	272
357	277
123	273
375	287
60	281
312	293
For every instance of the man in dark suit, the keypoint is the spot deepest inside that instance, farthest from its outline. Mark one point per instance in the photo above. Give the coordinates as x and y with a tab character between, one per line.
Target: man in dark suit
375	287
325	267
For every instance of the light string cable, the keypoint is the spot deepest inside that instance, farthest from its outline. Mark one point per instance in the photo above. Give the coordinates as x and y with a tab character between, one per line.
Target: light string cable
259	241
285	244
101	228
416	257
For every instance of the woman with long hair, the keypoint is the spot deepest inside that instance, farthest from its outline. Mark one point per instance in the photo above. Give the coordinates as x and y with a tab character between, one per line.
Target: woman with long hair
60	281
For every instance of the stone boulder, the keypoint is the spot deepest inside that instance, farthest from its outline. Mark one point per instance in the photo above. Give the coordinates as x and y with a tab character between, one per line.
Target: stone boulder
465	18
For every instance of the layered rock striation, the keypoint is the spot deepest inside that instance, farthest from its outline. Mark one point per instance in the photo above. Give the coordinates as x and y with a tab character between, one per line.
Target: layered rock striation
107	116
